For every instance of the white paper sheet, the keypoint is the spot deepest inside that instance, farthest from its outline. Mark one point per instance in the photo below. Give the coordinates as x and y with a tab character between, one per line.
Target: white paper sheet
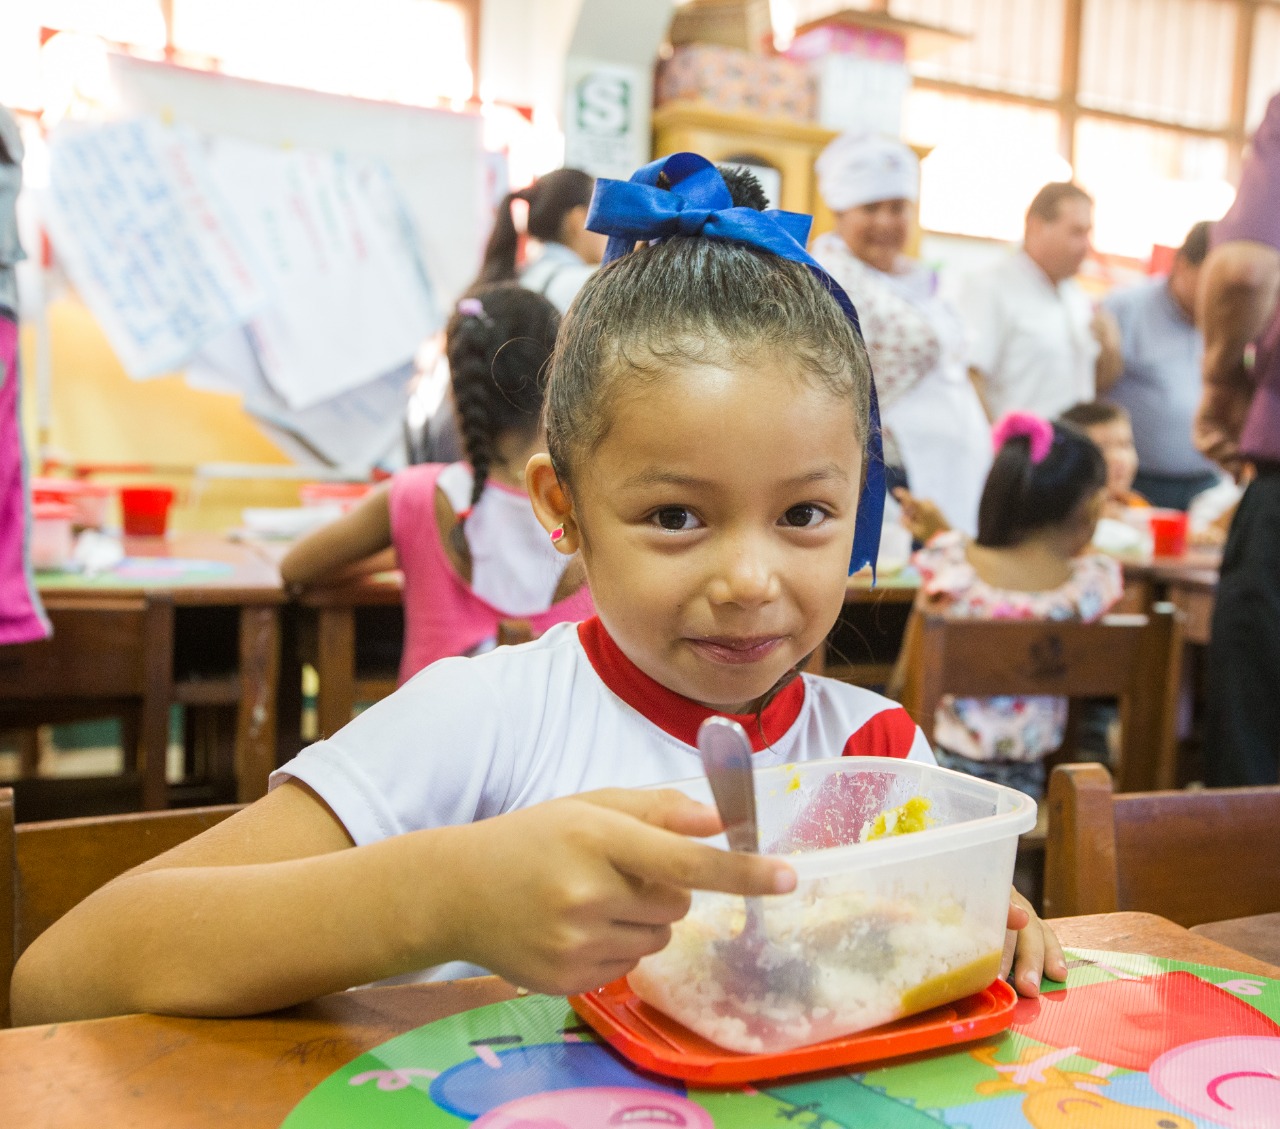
147	241
349	299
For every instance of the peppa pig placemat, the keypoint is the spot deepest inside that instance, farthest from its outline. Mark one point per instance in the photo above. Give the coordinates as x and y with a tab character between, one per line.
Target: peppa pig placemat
1132	1042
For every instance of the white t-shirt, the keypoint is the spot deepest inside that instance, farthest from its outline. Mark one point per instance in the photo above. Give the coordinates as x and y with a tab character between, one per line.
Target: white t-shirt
557	274
1028	337
470	738
514	566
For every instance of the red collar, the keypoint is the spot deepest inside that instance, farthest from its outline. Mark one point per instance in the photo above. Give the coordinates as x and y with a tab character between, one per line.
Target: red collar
673	713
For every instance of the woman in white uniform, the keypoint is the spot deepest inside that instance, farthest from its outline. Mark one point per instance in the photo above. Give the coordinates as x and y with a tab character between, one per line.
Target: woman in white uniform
936	429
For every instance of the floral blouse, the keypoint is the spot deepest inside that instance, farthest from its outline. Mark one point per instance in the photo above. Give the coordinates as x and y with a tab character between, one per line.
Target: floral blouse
1009	728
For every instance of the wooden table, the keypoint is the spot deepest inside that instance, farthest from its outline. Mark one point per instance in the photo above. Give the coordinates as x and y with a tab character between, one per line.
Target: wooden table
248	1073
1259	936
1189	582
226	641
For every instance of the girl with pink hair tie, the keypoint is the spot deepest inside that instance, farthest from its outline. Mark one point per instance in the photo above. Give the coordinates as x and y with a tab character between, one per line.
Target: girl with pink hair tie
1030	560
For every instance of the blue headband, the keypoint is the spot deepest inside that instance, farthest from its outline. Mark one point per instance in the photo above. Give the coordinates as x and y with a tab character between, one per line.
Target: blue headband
698	203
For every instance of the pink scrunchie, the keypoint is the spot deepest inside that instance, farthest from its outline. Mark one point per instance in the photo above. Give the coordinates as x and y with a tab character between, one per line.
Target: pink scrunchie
1038	431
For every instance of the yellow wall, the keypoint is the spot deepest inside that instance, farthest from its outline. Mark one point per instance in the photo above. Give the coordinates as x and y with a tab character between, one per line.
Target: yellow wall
99	415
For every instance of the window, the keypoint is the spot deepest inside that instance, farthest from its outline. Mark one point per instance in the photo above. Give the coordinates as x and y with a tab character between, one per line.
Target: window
412	51
1168	60
1150	185
1149	110
988	160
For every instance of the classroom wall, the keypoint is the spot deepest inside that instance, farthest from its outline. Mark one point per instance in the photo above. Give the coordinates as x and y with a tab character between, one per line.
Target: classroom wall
100	415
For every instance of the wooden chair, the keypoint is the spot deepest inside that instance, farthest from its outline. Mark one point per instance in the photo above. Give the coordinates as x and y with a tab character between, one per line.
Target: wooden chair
1134	658
106	658
47	868
1192	856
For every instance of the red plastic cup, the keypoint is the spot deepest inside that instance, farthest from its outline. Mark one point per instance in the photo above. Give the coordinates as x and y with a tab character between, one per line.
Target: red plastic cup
1168	533
145	510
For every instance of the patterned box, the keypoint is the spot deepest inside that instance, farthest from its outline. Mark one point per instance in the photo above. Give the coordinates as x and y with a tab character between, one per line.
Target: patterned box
733	80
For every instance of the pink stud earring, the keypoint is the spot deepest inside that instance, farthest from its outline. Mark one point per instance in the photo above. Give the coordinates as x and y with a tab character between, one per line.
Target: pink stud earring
557	534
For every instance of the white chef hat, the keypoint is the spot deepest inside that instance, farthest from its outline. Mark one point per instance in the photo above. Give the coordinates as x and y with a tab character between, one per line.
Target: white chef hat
860	168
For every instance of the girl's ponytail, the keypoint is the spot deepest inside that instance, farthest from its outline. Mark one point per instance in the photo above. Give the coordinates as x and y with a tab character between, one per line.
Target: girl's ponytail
1041	474
500	252
550	199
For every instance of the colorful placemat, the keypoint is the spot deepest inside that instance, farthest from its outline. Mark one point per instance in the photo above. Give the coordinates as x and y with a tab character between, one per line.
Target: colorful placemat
1132	1042
140	572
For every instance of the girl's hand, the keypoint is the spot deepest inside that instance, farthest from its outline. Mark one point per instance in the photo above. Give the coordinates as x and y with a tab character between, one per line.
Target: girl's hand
1030	948
568	895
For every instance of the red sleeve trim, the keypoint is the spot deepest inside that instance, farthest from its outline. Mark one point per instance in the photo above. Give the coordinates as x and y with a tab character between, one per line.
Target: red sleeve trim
890	733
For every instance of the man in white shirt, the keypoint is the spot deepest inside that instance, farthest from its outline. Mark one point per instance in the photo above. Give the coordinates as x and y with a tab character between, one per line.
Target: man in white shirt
1036	342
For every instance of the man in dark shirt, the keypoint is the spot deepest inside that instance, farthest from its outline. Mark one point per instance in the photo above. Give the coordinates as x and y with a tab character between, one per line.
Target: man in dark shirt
1238	426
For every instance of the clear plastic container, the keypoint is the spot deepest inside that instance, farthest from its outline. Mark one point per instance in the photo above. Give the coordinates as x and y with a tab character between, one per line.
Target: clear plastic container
874	931
52	543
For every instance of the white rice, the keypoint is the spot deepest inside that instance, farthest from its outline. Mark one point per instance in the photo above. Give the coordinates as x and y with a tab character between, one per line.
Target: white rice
861	953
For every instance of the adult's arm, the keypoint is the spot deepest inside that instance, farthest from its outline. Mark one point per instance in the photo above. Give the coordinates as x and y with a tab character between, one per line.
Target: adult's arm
275	906
345	547
1239	288
1109	366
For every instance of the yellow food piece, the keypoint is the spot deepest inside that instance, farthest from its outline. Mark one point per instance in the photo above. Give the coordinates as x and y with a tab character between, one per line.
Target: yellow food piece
793	785
952	985
902	820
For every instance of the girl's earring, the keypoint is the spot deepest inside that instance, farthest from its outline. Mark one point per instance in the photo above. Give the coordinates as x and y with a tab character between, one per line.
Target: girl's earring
557	534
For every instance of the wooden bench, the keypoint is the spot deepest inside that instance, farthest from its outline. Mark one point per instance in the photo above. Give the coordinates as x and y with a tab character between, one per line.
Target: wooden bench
47	868
1191	856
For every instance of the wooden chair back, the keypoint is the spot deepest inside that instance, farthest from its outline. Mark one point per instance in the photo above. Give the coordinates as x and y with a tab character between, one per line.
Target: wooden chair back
1134	658
47	868
105	658
1192	856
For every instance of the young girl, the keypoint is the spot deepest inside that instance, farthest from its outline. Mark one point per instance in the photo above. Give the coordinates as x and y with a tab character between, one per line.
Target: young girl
472	552
1039	508
557	219
709	424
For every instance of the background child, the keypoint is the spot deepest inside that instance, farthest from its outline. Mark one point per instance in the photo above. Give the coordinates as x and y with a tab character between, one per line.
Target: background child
557	219
1109	427
472	552
708	424
1037	516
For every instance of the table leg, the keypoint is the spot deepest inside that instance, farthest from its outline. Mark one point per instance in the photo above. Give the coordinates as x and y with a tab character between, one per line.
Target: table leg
256	718
336	666
153	727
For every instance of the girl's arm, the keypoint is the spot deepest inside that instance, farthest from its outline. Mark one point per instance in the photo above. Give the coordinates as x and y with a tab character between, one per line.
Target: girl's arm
274	906
329	552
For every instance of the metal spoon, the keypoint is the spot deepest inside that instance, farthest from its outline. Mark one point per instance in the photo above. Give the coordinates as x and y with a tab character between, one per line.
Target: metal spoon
758	964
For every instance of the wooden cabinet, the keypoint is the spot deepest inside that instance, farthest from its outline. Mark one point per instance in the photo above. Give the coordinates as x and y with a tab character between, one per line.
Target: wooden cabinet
790	147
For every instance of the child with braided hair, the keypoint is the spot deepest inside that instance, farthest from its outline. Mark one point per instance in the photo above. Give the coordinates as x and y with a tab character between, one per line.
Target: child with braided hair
472	551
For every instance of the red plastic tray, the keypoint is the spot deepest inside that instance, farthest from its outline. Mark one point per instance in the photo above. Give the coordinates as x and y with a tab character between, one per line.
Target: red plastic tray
658	1043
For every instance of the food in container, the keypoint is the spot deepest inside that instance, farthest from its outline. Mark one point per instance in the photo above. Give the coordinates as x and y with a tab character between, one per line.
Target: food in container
888	927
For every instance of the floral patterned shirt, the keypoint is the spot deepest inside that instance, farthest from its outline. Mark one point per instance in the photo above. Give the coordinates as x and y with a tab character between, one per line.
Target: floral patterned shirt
1009	728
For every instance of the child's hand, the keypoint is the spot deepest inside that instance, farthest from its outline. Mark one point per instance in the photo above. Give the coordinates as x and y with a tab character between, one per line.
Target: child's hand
568	895
922	517
1030	948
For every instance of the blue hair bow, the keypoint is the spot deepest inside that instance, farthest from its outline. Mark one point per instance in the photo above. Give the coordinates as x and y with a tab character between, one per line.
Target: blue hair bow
698	203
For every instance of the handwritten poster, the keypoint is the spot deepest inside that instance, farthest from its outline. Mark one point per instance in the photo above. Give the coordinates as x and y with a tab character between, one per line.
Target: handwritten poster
289	276
148	242
349	300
